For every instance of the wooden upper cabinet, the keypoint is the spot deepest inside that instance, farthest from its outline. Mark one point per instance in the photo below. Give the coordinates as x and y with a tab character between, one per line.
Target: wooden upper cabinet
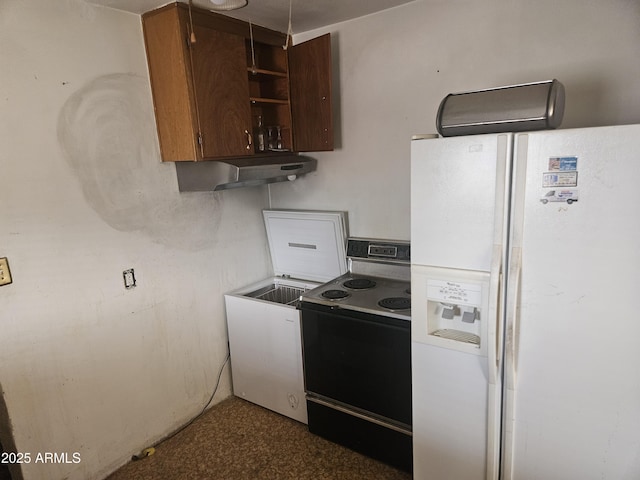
311	110
209	94
221	86
166	35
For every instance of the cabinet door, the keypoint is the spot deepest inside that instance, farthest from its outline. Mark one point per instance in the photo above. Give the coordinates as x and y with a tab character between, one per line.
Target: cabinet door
310	88
165	34
221	90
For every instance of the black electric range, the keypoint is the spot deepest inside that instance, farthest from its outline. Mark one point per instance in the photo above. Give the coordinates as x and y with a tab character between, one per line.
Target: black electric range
356	342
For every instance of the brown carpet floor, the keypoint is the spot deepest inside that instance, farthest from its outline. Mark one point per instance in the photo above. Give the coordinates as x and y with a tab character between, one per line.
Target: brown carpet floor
237	440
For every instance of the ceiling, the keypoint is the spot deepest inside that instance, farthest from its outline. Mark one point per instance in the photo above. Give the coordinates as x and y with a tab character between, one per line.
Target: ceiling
306	14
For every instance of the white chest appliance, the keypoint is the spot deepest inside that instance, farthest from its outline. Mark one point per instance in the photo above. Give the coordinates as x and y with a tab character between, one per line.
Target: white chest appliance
307	249
525	279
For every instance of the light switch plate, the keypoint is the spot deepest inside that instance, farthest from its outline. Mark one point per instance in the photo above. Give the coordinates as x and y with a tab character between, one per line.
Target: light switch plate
5	273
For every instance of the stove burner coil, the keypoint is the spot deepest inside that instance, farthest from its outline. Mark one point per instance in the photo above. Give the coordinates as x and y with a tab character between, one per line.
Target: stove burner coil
359	284
395	303
335	294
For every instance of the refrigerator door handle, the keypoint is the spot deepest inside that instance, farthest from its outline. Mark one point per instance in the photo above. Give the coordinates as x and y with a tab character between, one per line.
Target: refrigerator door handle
512	317
511	361
494	348
493	331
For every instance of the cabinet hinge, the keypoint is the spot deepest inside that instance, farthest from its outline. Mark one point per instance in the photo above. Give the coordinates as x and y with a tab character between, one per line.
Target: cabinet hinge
201	144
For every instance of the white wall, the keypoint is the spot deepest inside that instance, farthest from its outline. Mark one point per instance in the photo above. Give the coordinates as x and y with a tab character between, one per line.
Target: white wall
85	365
394	68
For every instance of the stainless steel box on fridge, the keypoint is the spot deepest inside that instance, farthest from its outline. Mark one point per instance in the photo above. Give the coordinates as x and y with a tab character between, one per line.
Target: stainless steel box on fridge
515	108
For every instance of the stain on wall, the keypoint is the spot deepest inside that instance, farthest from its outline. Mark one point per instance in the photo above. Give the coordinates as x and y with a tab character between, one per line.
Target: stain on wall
107	132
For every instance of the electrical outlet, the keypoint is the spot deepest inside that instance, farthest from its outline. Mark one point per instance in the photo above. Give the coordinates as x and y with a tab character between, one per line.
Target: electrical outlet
129	278
5	273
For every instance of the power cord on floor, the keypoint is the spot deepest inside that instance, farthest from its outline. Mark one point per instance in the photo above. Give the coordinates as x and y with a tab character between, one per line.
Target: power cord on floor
147	452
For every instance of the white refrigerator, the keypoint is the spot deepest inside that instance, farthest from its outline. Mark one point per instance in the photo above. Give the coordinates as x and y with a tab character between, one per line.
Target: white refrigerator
526	305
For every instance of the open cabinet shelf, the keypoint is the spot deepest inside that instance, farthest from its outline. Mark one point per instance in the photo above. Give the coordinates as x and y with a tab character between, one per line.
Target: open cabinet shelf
208	93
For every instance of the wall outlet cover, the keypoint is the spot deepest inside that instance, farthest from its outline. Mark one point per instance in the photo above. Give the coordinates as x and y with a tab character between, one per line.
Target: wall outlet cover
5	273
129	278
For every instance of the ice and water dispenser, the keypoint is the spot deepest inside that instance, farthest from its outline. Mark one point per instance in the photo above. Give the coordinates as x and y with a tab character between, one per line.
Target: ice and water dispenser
452	308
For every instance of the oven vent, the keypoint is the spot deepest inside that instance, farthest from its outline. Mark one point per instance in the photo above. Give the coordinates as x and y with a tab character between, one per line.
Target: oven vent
278	294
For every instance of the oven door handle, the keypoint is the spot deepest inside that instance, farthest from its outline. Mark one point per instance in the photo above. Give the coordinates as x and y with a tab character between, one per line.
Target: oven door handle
387	423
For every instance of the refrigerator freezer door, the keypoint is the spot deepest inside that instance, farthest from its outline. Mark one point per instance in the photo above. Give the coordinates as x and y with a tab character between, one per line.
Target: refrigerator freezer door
453	396
458	229
449	414
573	354
457	198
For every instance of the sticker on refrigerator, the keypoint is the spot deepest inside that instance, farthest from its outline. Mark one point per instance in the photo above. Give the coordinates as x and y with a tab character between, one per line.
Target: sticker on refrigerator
560	179
454	292
563	164
568	195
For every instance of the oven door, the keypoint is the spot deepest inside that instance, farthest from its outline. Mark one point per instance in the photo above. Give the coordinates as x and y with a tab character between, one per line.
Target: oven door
358	361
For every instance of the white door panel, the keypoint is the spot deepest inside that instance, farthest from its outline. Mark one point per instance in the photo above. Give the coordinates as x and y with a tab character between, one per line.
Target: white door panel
266	355
453	200
576	397
449	414
458	228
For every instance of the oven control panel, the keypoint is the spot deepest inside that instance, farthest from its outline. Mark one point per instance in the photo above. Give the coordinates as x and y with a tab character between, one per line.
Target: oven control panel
392	250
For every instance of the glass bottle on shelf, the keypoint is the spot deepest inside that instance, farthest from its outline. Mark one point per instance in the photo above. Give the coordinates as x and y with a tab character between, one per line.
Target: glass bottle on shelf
260	136
278	138
271	140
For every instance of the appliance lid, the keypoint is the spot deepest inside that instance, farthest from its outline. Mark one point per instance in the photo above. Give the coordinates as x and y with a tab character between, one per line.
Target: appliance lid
241	172
305	244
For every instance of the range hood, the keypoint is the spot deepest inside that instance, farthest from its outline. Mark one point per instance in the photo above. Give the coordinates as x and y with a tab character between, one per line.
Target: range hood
241	172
